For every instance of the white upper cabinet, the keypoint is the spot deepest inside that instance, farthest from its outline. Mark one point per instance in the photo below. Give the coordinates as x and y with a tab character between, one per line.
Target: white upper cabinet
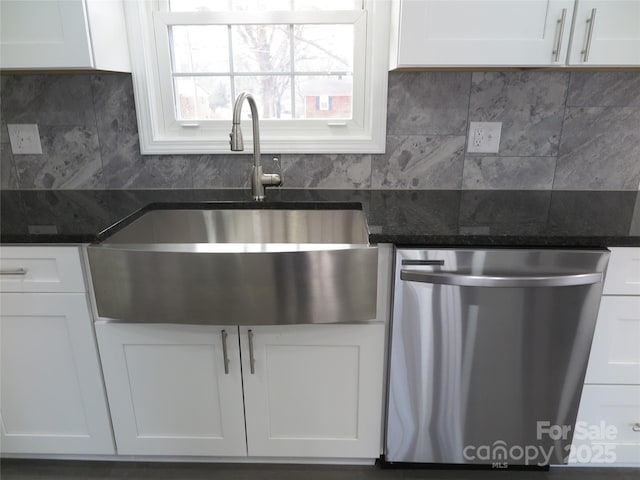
63	34
520	33
480	33
606	33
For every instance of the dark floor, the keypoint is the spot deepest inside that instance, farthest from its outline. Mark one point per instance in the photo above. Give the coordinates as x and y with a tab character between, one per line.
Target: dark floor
59	470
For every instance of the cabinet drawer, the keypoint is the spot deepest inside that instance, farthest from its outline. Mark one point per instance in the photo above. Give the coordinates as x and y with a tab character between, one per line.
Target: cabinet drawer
623	274
607	427
41	269
615	352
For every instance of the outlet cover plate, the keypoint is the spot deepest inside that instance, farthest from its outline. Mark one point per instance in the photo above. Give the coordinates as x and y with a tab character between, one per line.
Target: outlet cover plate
484	137
25	139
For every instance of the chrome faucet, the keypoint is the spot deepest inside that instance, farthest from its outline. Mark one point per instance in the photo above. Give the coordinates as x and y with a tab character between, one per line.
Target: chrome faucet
259	180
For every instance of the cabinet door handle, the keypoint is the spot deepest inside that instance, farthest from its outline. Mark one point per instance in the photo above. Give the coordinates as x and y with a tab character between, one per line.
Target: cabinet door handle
591	21
636	427
560	33
14	271
252	358
225	354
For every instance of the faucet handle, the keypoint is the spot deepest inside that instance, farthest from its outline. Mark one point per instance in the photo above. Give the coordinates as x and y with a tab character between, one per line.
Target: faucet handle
278	163
271	180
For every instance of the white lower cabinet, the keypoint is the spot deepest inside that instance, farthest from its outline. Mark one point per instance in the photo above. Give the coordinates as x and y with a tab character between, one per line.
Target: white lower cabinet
608	428
314	390
52	399
168	390
309	390
608	424
615	352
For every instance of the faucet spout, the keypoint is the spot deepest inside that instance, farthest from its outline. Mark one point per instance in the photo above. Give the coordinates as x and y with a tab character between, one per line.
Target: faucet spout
259	180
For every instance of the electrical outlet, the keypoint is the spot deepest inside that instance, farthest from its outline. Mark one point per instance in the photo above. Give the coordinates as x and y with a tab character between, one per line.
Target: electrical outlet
24	138
484	137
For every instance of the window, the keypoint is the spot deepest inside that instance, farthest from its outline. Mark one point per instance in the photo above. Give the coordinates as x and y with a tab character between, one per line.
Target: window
317	69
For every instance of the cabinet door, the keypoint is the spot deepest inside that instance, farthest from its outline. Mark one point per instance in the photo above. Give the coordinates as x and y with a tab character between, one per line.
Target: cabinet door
52	400
615	352
313	390
44	34
489	32
608	426
168	390
609	30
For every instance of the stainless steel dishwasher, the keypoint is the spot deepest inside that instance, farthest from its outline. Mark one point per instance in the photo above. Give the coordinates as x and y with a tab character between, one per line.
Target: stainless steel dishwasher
489	351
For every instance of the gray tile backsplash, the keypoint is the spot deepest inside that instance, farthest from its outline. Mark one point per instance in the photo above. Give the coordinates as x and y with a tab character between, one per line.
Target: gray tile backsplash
428	103
70	159
423	162
561	130
498	173
530	106
326	171
600	149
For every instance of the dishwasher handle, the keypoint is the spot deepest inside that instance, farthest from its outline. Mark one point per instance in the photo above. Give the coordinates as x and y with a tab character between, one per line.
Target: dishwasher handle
463	280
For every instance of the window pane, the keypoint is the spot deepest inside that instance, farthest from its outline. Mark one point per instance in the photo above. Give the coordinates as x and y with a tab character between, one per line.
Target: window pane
323	48
203	98
197	48
228	5
328	4
261	5
261	48
324	96
272	94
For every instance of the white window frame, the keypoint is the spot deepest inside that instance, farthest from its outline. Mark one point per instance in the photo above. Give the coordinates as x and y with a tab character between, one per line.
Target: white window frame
161	133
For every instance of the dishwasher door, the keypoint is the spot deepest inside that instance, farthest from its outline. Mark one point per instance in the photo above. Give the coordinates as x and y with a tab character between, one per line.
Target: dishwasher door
488	354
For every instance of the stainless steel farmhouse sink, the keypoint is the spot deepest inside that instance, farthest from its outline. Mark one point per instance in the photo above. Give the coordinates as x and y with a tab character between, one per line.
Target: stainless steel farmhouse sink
237	266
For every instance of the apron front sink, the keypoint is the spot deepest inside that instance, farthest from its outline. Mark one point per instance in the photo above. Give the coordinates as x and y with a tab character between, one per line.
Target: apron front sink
237	267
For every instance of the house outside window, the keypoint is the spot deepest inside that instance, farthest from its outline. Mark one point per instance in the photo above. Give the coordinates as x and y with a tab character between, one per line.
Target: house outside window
317	70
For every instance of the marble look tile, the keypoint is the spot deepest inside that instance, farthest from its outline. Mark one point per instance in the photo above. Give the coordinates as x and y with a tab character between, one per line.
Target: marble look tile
530	106
8	175
604	89
326	171
428	103
504	173
419	162
149	171
222	171
70	160
116	121
600	149
49	99
124	166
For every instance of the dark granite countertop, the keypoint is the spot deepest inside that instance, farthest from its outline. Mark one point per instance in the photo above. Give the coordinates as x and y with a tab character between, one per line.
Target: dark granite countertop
403	217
